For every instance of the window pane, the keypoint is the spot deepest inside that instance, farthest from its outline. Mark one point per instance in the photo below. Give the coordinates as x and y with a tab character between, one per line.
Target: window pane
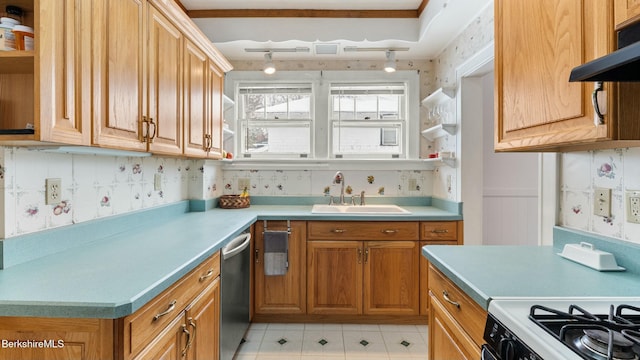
299	106
279	139
389	107
253	106
277	106
367	107
348	139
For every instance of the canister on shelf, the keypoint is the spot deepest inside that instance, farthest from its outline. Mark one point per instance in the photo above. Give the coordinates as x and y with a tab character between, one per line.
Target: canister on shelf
7	37
24	37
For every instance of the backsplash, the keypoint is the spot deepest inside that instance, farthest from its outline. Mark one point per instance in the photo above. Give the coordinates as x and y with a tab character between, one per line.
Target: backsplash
582	173
93	186
374	183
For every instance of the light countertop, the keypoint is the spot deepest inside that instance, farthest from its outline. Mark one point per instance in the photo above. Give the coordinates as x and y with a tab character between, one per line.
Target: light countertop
489	272
111	277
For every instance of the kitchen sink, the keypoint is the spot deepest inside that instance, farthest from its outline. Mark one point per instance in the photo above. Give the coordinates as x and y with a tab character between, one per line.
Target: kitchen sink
359	209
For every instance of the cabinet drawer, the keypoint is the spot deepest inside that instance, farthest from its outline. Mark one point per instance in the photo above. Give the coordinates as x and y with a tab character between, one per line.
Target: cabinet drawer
466	312
439	230
363	230
146	323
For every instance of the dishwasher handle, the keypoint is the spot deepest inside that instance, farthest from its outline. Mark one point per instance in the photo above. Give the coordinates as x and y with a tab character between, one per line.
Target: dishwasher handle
235	246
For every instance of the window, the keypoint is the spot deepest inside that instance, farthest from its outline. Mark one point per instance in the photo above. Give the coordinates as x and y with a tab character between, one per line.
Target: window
367	119
325	115
276	119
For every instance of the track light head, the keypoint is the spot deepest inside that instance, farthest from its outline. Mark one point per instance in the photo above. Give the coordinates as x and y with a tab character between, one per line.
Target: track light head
269	68
390	64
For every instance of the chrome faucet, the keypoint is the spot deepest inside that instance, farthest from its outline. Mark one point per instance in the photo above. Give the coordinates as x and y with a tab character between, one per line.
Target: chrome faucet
338	178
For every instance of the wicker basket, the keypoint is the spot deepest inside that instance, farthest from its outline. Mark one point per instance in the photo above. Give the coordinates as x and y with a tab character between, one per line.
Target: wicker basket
234	202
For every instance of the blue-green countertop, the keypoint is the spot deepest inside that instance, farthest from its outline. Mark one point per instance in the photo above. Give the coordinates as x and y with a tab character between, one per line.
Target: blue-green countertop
113	276
489	272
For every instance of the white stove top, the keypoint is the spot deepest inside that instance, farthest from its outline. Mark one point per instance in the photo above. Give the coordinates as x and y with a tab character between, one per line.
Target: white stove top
513	313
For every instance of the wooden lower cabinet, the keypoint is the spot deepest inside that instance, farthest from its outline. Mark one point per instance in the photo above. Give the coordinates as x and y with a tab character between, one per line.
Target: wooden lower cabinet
72	339
435	233
349	276
456	322
281	294
180	323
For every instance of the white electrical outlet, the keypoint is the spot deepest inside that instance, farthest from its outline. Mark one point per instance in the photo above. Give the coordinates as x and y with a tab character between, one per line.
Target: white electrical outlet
157	182
633	206
602	202
244	183
53	191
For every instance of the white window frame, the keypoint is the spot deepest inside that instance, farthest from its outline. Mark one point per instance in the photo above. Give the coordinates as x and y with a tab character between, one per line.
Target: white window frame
321	122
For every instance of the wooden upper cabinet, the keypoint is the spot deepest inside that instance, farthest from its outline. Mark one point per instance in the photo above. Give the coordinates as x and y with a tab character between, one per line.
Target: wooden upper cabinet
65	86
216	83
626	12
46	91
196	126
164	95
537	45
119	46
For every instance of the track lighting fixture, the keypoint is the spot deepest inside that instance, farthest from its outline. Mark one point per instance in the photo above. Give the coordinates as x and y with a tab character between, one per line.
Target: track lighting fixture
390	64
269	68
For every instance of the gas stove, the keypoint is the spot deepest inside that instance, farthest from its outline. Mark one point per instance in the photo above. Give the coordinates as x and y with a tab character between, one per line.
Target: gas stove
564	328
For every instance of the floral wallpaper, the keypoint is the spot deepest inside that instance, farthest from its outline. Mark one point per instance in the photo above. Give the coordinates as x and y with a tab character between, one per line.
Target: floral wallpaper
582	173
375	183
93	186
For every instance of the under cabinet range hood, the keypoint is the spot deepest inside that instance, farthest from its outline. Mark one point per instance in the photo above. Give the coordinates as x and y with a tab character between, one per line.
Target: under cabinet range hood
621	65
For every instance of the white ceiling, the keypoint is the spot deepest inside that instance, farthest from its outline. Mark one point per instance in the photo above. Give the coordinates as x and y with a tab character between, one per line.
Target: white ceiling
426	36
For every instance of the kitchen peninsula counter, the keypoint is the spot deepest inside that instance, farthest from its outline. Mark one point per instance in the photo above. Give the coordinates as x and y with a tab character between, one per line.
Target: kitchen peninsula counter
113	276
489	272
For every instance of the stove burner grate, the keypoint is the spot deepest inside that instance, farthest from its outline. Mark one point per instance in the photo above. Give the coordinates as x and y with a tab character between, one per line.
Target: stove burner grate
615	336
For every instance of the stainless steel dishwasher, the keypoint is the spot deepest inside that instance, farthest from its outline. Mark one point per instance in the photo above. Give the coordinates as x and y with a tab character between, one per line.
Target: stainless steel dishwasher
234	294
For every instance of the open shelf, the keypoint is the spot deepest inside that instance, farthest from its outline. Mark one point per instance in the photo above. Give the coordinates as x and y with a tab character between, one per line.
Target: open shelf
16	62
438	131
227	102
439	96
449	161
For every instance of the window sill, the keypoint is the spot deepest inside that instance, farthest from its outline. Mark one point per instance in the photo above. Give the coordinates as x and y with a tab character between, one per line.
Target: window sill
333	164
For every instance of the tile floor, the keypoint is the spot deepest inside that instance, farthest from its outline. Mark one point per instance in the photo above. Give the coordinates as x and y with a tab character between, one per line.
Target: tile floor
333	341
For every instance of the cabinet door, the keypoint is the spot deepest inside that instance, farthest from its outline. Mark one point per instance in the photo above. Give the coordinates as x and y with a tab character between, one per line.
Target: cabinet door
203	320
69	339
196	124
334	281
391	270
284	294
626	12
164	95
215	89
537	45
65	72
170	344
119	47
446	341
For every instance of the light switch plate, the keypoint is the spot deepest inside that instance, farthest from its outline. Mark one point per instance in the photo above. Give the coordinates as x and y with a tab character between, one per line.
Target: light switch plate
244	183
157	182
602	202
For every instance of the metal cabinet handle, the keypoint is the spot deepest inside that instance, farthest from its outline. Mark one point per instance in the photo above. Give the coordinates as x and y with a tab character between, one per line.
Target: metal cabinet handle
257	256
153	135
206	276
389	231
439	231
190	335
445	294
144	129
171	307
366	255
359	256
599	120
338	231
186	347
